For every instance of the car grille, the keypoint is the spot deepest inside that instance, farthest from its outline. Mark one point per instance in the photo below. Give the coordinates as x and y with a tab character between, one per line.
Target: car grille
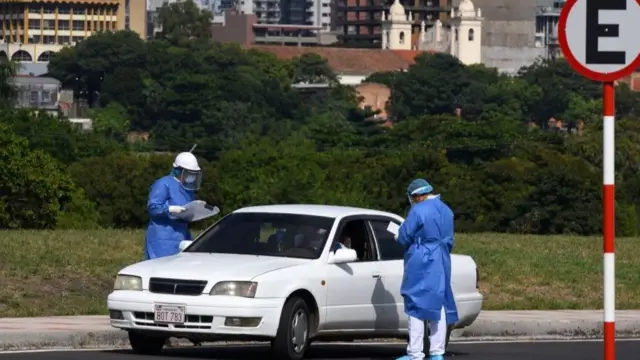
176	286
191	321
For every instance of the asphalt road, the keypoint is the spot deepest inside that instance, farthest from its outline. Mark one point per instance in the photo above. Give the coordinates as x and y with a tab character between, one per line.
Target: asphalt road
481	351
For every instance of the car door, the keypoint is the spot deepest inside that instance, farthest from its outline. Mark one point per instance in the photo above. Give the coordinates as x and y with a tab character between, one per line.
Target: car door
352	288
391	259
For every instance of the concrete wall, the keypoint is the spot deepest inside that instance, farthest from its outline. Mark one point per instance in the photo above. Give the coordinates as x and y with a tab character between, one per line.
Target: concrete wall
507	22
507	9
511	33
510	59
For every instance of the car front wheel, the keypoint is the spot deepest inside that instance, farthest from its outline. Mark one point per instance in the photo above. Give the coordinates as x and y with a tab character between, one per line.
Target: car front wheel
146	345
292	339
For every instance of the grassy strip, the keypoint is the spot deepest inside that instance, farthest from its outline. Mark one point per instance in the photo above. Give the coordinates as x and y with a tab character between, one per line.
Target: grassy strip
46	273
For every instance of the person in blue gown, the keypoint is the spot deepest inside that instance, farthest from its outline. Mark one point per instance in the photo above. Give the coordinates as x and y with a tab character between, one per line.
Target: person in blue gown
427	237
167	199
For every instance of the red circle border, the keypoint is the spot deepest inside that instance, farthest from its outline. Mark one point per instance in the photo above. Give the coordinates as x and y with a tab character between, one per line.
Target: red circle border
577	66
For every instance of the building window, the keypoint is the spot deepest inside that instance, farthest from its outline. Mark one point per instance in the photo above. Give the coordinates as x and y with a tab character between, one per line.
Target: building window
127	12
49	24
456	34
64	10
33	98
78	24
77	39
45	56
470	35
34	24
63	25
78	11
402	37
34	9
64	39
49	10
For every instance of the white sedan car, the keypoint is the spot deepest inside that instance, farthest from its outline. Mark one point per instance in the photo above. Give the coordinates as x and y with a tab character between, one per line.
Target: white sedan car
276	273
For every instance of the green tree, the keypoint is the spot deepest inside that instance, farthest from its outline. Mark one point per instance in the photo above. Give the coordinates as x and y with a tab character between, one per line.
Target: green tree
183	20
60	139
311	68
112	122
119	185
127	87
87	65
429	87
33	187
558	82
387	78
8	92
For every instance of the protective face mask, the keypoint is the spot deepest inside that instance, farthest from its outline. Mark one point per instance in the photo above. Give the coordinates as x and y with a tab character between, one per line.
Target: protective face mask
190	179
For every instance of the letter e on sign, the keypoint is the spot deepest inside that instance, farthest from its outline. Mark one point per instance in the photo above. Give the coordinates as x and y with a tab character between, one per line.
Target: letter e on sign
600	39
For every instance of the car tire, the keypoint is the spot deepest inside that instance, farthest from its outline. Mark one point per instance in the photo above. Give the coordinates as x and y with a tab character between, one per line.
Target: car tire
427	343
292	339
146	345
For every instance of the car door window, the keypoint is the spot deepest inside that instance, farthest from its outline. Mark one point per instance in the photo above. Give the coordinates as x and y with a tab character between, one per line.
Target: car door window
388	247
354	234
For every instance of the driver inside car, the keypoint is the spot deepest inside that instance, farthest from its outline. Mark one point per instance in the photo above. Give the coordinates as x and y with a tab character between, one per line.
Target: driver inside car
343	243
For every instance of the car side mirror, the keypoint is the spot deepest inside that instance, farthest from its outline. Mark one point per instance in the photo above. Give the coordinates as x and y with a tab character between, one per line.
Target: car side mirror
184	244
342	256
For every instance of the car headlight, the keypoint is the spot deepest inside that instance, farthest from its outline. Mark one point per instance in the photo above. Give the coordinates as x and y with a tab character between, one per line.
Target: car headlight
127	282
235	288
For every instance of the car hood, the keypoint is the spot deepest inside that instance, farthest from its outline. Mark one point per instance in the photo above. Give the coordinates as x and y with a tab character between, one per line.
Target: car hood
210	267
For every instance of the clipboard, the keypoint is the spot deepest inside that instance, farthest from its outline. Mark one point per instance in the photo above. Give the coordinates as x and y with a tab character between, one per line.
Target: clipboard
198	210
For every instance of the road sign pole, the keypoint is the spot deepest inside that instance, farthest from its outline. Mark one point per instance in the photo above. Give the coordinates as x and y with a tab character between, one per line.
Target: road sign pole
608	219
584	27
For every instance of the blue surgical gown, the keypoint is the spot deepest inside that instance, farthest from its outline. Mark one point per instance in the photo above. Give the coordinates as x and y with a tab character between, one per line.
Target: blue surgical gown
427	236
165	232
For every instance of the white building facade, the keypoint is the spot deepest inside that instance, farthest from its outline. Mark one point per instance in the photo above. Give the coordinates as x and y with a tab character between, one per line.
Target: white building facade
460	38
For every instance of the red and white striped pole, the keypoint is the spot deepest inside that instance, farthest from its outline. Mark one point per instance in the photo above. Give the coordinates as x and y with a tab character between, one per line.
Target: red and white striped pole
608	220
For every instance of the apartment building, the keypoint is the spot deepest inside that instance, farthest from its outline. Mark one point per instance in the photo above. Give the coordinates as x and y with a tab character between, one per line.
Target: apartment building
31	30
359	21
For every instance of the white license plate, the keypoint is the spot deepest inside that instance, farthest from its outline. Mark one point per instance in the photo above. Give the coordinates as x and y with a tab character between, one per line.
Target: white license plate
169	314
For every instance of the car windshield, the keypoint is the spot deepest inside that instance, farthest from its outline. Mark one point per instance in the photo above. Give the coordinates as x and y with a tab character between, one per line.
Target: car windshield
286	235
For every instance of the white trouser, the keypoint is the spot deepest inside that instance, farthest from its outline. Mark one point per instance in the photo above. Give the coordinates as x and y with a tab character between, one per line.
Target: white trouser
437	337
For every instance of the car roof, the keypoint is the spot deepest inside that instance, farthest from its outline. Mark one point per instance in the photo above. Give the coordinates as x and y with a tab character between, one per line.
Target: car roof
314	210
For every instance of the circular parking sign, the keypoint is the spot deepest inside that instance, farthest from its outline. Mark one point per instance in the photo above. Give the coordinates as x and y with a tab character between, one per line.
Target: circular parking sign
601	38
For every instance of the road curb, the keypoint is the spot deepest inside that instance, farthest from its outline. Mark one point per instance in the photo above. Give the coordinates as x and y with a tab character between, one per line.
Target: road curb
482	330
543	329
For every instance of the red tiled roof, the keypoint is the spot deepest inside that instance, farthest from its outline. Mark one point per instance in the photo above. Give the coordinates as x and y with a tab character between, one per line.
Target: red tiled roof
346	60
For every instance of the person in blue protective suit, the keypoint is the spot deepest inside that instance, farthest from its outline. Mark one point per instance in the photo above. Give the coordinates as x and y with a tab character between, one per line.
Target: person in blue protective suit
167	198
427	237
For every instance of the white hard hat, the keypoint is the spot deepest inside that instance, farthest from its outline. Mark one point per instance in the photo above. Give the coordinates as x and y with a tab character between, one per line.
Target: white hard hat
186	160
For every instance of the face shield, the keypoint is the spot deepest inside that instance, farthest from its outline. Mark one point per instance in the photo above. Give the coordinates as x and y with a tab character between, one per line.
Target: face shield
190	179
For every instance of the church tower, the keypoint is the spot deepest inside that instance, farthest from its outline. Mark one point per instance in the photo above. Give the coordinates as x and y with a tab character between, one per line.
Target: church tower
466	32
396	28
